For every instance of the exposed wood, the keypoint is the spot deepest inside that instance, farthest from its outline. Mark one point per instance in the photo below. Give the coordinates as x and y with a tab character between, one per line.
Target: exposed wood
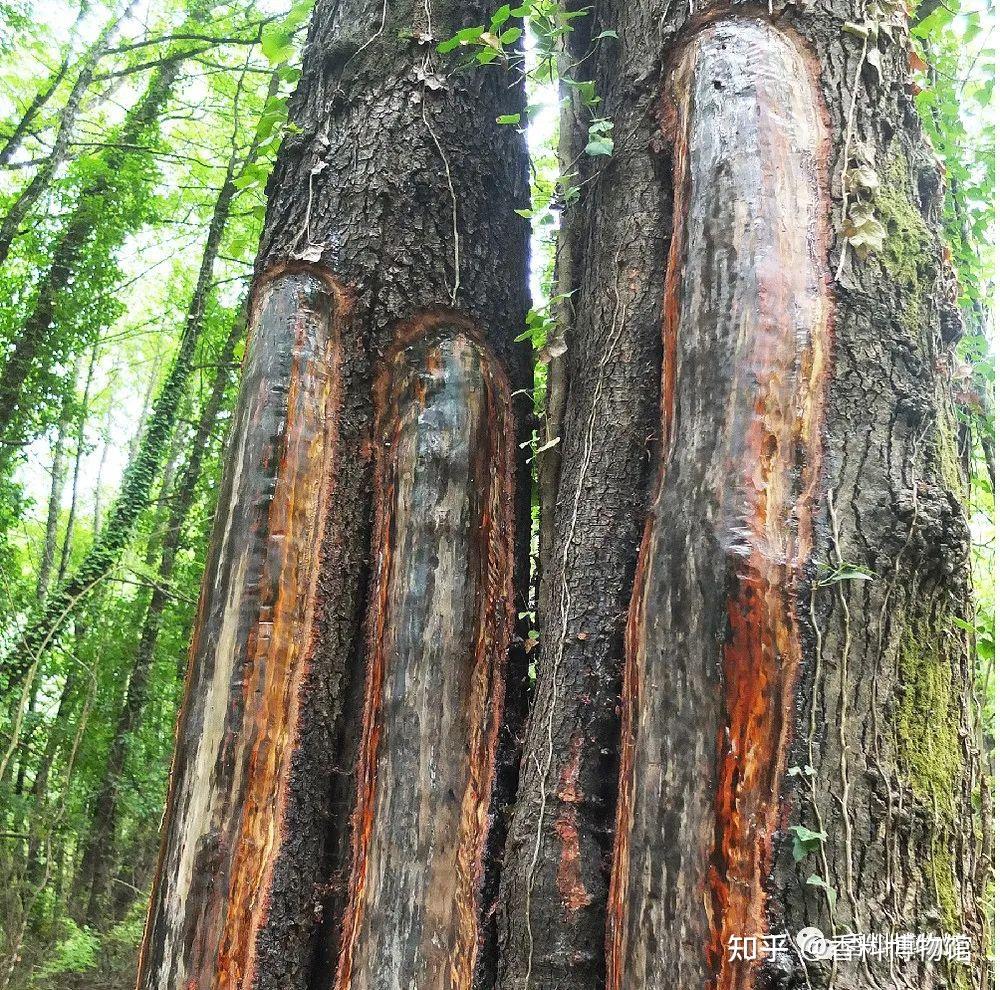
713	642
439	627
232	807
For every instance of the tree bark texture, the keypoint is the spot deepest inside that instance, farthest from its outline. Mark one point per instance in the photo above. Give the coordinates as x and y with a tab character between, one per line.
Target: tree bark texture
327	735
253	641
746	339
770	657
439	630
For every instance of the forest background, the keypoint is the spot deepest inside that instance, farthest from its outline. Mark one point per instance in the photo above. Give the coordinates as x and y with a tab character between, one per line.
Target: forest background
136	139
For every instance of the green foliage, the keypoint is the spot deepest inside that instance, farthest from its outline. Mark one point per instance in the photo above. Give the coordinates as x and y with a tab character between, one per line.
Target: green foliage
126	217
75	952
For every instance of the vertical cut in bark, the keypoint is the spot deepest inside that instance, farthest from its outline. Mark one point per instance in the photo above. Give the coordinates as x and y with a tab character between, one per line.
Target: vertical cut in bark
232	810
439	625
713	641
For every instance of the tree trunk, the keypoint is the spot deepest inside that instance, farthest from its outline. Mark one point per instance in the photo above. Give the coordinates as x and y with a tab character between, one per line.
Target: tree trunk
13	141
54	509
371	461
66	551
798	744
100	847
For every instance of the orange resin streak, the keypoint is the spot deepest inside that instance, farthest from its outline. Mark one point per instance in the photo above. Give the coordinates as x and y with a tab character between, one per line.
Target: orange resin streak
445	454
768	458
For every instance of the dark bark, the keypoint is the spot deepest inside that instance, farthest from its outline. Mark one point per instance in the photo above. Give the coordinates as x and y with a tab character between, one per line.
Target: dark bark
393	163
783	663
557	860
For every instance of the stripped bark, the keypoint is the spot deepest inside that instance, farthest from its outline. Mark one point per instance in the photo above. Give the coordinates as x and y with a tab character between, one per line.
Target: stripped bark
388	182
439	628
774	662
747	310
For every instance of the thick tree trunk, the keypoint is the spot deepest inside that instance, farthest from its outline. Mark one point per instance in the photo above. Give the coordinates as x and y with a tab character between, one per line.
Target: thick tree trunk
746	342
391	252
766	689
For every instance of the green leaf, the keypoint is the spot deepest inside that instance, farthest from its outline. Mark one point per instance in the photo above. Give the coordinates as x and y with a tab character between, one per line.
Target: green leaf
276	44
509	118
815	880
600	146
468	35
844	572
510	36
606	34
805	841
501	16
527	214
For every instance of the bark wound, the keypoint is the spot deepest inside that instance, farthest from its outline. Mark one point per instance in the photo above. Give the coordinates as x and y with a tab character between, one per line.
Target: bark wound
712	643
227	820
438	625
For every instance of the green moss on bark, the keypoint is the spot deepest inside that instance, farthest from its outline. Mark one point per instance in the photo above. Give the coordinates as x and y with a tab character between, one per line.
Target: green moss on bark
927	719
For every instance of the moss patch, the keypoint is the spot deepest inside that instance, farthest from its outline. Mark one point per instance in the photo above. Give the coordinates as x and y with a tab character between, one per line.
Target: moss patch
907	254
927	722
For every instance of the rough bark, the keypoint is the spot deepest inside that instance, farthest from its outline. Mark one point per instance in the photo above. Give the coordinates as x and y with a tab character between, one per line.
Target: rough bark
396	174
836	662
555	872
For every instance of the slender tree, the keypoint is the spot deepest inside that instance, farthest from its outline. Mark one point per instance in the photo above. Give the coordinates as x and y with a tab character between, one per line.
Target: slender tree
45	626
18	211
45	92
110	206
